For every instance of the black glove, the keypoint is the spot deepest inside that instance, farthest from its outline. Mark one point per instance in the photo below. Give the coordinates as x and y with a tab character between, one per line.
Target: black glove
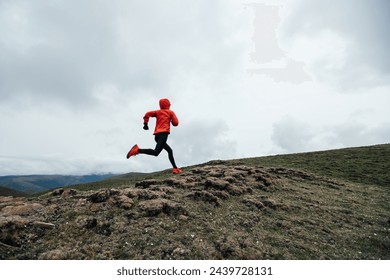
146	127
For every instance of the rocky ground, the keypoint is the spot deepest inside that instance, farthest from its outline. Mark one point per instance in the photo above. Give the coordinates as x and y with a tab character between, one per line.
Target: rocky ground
213	211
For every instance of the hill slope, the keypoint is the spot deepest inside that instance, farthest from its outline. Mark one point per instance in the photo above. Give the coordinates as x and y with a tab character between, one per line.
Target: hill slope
9	192
368	165
240	209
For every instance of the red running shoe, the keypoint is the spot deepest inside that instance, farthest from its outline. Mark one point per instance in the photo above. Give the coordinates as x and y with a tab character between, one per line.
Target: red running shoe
133	151
176	171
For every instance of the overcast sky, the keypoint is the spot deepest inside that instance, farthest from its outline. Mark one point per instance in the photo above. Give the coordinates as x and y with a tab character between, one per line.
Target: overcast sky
245	78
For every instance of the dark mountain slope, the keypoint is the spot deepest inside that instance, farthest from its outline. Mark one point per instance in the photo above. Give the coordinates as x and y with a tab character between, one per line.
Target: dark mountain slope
10	192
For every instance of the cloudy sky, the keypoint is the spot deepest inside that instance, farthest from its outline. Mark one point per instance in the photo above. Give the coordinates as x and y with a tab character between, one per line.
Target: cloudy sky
245	78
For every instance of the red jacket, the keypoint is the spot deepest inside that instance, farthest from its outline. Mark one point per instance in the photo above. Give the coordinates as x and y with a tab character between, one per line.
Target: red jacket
164	117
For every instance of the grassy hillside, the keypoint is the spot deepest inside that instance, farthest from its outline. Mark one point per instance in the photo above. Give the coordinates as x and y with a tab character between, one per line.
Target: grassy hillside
367	165
302	206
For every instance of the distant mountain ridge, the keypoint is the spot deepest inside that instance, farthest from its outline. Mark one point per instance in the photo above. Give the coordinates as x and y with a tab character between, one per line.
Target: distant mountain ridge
39	183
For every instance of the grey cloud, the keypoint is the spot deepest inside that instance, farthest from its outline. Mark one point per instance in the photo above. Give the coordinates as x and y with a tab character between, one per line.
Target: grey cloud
66	50
41	74
200	141
55	51
82	65
291	135
357	134
363	24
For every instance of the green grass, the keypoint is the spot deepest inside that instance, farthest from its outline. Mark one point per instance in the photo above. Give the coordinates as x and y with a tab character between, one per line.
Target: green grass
367	165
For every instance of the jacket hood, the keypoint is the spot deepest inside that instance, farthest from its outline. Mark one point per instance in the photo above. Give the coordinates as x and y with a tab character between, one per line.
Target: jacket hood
164	103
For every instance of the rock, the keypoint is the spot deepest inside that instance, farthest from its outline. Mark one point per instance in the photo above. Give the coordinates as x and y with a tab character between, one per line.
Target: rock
146	183
7	199
57	192
13	221
142	194
68	192
183	218
21	210
11	201
99	197
156	206
148	194
43	224
130	192
123	201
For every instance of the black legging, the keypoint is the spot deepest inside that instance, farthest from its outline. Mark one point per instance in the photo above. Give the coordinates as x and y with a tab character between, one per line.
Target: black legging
161	140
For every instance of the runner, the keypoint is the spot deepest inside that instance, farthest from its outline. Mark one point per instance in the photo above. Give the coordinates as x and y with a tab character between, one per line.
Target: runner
164	118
